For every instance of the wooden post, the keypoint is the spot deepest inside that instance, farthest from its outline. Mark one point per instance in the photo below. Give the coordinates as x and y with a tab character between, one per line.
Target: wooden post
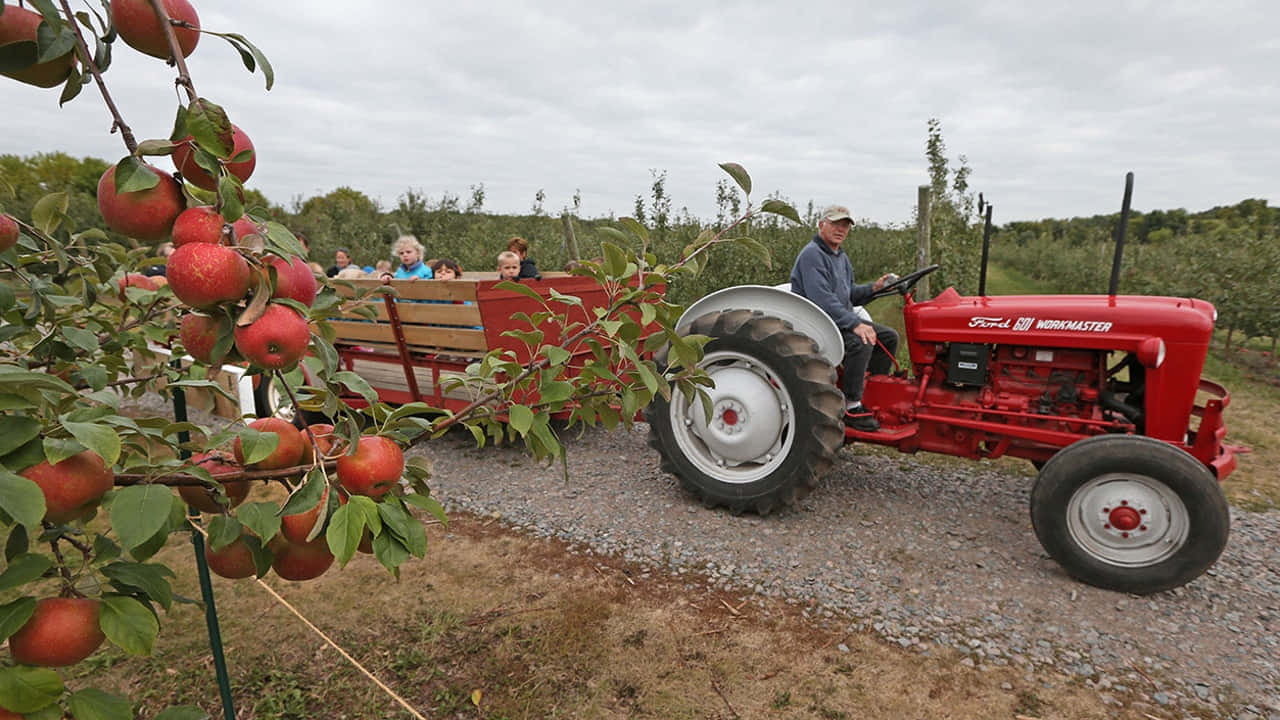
922	240
570	240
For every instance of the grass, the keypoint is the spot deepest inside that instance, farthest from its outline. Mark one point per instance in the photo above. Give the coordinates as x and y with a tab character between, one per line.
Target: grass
530	630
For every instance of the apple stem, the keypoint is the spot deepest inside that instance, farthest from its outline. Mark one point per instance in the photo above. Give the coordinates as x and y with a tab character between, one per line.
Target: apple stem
69	581
125	133
175	51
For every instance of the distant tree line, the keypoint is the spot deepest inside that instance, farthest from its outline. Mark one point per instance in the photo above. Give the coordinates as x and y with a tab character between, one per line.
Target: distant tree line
1229	256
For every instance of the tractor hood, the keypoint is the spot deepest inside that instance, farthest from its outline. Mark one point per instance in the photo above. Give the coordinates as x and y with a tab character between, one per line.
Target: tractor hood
1084	321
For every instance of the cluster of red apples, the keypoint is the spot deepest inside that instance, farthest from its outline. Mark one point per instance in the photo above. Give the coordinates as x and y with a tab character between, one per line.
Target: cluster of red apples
217	270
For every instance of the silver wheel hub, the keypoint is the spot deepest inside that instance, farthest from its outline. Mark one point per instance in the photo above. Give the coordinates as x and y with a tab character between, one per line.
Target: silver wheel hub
751	425
1128	519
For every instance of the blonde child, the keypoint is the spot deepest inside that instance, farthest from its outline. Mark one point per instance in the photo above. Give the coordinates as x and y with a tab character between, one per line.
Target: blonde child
528	268
508	266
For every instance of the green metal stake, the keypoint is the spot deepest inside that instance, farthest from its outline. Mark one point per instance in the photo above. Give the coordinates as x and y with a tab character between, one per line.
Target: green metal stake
202	566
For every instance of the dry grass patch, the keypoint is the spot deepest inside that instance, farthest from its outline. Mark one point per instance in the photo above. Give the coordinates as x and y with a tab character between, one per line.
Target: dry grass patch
544	633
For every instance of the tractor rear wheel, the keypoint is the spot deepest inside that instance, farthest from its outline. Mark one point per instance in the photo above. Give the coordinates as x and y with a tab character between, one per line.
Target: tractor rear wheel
1129	513
775	424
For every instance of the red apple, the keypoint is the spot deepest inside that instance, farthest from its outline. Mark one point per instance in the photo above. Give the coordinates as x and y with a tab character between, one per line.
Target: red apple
203	275
63	631
295	528
234	561
204	499
303	561
287	454
275	341
137	280
294	280
374	469
138	25
328	443
73	487
246	226
144	214
20	25
200	333
184	159
202	223
8	232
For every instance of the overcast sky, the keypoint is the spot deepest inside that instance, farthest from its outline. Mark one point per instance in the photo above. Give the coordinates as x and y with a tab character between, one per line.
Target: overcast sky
1051	102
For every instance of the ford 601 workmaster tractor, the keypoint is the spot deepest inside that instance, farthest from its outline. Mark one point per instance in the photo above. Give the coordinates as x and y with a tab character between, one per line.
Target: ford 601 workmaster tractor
1102	392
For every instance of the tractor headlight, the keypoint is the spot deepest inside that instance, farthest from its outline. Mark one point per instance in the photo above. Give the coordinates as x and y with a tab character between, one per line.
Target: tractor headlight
1151	352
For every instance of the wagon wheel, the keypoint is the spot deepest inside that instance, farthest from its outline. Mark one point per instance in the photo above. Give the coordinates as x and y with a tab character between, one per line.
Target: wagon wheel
1129	513
776	418
269	400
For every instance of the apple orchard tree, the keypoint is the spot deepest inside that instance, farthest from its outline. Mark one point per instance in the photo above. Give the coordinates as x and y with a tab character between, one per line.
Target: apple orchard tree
87	477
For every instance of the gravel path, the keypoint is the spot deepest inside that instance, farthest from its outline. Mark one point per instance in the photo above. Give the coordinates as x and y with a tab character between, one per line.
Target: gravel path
921	554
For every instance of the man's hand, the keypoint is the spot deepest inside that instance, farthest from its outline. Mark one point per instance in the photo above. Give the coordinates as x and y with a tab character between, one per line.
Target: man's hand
865	333
884	279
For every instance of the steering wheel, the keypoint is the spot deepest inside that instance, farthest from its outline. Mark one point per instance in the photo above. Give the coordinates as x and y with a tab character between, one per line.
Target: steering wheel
904	284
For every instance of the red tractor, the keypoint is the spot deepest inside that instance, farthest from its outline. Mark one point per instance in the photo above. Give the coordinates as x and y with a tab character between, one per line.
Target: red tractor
1099	391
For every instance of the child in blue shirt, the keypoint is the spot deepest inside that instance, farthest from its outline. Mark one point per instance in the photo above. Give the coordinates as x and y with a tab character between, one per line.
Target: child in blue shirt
409	250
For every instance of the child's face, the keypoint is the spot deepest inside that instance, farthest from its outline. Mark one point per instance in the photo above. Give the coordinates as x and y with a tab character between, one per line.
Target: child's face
445	273
509	269
407	255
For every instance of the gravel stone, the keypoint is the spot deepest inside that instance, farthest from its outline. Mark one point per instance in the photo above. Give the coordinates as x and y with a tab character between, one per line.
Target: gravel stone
914	551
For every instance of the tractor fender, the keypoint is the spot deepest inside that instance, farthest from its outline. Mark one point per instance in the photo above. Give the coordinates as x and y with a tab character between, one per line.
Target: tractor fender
804	316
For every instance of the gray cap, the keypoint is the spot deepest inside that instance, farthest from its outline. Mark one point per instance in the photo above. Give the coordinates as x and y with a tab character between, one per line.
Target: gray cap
835	213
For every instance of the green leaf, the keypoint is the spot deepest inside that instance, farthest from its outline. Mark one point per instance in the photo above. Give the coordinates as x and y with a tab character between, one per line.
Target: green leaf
390	551
18	543
22	500
739	175
49	210
428	503
58	449
183	712
129	624
556	354
521	418
231	193
357	384
16	431
257	445
223	530
14	615
54	43
261	518
27	689
23	569
615	259
267	72
94	704
156	147
404	526
555	391
763	257
636	228
139	512
209	126
346	527
777	207
307	496
150	579
133	175
99	438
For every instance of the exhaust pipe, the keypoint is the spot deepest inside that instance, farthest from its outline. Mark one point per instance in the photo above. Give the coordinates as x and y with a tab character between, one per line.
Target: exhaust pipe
1124	223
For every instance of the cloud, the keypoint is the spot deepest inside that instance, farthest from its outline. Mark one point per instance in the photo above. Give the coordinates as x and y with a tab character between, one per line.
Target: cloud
825	101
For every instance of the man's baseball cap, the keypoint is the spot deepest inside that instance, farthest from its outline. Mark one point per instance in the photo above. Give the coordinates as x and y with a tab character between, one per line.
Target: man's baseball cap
835	213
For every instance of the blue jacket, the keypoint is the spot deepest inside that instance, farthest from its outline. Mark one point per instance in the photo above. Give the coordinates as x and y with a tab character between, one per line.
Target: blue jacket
417	270
825	276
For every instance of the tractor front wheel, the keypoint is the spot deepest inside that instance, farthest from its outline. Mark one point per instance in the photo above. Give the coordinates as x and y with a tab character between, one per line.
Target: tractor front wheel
1129	513
775	421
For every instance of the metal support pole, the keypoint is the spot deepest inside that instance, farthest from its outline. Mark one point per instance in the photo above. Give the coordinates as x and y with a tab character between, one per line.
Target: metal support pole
986	249
202	568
